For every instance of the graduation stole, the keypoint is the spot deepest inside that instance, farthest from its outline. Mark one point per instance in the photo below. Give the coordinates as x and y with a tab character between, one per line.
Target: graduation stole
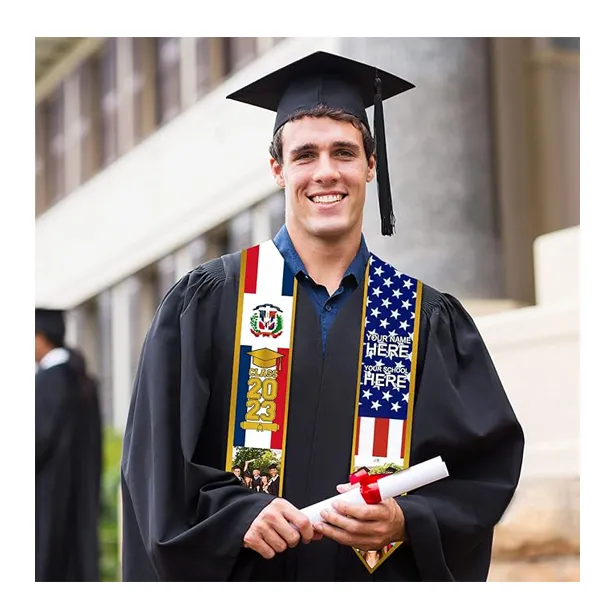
262	367
387	377
262	358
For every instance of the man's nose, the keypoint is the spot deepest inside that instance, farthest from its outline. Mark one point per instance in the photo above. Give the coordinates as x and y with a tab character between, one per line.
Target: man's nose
325	171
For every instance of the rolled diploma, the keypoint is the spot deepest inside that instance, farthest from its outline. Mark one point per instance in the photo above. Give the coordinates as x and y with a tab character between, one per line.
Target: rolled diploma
389	487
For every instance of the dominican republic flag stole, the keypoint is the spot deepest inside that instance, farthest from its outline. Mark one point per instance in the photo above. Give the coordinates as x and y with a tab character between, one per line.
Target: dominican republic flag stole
262	366
262	360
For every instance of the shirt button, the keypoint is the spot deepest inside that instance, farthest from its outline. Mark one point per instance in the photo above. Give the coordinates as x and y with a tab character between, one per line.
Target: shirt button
341	289
328	307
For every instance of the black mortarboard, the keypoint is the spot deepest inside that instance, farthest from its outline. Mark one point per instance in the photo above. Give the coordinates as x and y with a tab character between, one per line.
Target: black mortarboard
51	323
327	79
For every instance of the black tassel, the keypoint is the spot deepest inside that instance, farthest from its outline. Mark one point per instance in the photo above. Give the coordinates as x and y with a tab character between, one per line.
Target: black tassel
384	190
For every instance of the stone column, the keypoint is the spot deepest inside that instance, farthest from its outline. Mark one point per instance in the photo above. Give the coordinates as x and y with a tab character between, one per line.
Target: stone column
121	354
439	150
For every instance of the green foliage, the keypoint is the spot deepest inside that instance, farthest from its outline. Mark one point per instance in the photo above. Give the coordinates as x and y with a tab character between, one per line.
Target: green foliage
261	458
382	468
109	506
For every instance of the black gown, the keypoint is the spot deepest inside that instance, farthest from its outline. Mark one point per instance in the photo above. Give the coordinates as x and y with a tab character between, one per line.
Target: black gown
184	516
68	464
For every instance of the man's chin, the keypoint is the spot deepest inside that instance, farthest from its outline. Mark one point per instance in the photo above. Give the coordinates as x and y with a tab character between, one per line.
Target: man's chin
330	231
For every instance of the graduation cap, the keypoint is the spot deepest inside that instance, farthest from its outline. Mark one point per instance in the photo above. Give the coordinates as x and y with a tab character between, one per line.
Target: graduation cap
51	323
266	358
327	79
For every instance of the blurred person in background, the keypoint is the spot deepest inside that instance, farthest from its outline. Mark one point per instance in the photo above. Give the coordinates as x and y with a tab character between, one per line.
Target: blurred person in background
237	471
68	457
256	480
356	379
265	483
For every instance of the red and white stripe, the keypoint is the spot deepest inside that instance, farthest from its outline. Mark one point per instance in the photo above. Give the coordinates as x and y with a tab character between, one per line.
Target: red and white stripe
379	441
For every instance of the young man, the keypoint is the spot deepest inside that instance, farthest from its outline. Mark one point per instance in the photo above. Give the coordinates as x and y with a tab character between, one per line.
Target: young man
68	457
273	486
311	347
237	471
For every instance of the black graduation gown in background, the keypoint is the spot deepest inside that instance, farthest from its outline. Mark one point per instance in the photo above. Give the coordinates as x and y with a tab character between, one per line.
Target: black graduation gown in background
68	464
185	517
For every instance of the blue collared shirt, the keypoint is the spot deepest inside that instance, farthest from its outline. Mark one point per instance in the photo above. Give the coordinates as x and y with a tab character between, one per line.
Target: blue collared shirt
327	307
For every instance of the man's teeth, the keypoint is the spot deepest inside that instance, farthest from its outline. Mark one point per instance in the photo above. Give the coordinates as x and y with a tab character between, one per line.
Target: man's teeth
327	199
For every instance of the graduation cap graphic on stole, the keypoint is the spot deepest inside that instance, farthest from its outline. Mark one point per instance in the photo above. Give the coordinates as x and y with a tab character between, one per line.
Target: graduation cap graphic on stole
266	358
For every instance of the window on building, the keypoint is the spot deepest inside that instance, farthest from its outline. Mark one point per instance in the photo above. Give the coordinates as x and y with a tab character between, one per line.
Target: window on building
108	100
204	53
105	354
135	325
89	118
239	51
168	78
55	122
566	43
41	152
86	324
144	89
166	276
217	242
240	231
276	207
198	250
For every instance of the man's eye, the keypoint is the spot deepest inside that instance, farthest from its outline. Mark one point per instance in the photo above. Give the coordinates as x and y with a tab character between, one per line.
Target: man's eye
345	153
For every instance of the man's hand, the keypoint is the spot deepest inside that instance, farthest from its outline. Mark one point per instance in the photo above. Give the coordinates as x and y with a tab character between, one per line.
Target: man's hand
279	526
366	527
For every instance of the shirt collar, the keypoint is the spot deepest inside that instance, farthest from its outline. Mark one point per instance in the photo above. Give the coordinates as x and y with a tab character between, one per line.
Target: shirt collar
284	244
56	356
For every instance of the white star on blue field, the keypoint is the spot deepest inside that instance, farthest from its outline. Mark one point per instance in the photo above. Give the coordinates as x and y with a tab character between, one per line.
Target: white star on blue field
390	313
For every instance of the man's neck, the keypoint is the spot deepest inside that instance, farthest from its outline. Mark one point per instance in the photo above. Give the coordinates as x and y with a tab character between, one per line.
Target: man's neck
326	260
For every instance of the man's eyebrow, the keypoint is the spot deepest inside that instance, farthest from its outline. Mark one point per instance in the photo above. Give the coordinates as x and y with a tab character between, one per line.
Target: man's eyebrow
303	148
312	146
349	145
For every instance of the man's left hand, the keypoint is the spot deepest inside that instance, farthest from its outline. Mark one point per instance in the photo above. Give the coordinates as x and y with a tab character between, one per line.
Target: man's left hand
365	527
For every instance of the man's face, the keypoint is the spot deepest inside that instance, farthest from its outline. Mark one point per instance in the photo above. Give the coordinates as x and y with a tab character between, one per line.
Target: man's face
41	347
256	472
273	472
325	173
237	472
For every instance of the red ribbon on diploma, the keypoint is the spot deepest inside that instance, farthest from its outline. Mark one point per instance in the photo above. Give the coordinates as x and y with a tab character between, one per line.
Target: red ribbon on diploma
369	486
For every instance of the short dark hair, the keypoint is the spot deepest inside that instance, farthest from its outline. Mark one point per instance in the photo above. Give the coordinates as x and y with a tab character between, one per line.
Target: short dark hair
276	147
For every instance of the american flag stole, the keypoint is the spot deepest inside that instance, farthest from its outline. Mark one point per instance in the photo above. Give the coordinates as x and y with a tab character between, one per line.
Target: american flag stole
262	361
387	377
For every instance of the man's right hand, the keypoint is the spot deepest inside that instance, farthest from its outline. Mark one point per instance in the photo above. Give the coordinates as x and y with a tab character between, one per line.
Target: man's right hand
279	526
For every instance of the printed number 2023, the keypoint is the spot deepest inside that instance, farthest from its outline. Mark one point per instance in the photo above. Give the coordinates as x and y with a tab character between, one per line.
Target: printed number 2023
265	389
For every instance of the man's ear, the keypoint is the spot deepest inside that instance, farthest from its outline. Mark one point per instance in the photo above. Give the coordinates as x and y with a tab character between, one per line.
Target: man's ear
277	171
372	163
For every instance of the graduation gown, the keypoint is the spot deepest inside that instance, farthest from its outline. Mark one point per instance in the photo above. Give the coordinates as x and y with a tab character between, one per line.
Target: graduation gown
184	516
68	455
273	487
